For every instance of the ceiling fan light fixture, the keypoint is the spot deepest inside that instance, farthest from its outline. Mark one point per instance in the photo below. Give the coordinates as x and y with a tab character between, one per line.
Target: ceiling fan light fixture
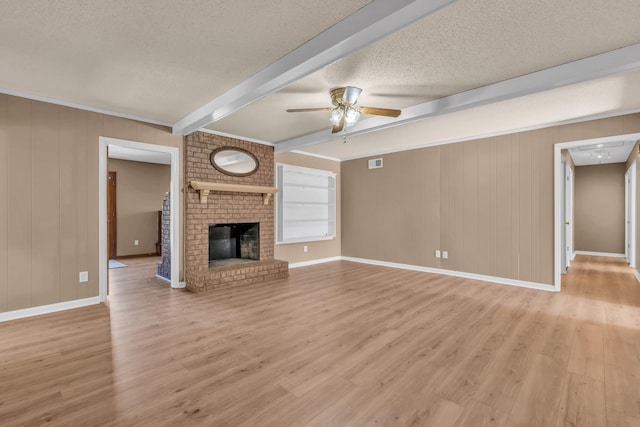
336	116
351	116
350	95
344	113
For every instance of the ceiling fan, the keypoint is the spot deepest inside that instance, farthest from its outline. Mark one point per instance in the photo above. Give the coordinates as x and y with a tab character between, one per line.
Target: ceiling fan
344	113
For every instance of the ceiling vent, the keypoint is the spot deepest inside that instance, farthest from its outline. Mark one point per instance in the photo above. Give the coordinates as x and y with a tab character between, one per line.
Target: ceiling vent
375	163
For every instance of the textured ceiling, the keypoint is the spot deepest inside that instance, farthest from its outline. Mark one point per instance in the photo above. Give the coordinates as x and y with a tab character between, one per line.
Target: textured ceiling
162	60
468	44
606	96
158	59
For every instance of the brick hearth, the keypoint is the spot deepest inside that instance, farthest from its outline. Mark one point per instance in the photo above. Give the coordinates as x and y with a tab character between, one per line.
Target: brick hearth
226	208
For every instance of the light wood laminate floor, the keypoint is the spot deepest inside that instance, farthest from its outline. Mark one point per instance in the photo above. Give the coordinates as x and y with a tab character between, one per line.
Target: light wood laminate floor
337	344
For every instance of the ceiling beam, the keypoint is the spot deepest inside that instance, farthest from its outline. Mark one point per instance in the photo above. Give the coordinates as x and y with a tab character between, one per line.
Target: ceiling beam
603	65
367	25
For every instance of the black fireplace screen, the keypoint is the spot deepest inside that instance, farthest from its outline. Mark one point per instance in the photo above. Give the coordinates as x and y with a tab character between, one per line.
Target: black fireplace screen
234	241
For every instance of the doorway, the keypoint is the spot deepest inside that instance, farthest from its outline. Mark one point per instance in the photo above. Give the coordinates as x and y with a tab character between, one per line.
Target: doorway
112	219
172	152
564	230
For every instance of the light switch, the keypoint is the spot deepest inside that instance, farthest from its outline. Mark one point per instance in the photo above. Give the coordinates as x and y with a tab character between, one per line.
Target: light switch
437	253
84	276
445	254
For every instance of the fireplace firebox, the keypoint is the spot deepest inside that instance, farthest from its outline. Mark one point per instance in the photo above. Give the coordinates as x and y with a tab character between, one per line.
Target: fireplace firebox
233	243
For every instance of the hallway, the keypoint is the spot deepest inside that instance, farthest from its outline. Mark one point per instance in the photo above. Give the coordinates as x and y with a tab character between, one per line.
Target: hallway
606	341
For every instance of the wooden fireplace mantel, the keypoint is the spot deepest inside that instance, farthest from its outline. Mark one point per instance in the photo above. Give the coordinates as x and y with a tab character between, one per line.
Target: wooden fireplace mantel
205	187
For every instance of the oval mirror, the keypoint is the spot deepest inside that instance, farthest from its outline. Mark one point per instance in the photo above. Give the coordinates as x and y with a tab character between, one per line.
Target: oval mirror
234	161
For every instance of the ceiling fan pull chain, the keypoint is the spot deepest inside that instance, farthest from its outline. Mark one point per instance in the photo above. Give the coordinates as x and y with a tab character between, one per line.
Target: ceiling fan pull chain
344	135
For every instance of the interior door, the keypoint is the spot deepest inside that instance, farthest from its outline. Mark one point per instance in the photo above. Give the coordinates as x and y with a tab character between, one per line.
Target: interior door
112	223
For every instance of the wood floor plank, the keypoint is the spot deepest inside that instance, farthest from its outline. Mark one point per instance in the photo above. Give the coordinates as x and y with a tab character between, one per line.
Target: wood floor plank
336	344
538	400
300	410
477	414
618	419
587	351
622	391
502	380
583	403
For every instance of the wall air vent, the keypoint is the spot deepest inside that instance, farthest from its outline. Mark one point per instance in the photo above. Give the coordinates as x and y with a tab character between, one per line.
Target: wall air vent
375	163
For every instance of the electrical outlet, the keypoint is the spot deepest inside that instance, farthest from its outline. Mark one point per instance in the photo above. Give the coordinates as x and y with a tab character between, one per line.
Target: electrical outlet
305	248
84	276
445	254
437	253
135	242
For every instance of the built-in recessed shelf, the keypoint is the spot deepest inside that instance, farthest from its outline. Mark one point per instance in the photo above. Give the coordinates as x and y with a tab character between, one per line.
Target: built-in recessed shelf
205	187
306	204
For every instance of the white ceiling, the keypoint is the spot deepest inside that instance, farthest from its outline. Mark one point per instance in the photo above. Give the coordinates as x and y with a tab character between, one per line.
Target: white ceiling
601	97
136	155
163	61
157	59
597	154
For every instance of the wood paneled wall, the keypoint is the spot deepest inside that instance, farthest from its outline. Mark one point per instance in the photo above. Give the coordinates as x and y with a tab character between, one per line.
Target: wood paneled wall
49	198
488	202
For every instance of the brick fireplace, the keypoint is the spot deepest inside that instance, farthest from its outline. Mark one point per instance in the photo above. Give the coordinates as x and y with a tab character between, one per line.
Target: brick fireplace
224	210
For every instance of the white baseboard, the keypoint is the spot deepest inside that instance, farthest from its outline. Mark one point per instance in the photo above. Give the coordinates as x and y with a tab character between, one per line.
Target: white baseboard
163	278
181	285
607	254
314	262
573	256
636	274
493	279
45	309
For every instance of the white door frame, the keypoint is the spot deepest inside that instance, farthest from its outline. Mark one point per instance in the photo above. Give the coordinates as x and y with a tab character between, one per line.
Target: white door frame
630	215
104	142
563	213
568	202
558	185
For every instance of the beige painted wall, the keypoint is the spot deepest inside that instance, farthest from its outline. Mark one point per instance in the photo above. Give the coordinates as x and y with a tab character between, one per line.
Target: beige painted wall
49	198
599	208
393	213
140	190
294	252
488	202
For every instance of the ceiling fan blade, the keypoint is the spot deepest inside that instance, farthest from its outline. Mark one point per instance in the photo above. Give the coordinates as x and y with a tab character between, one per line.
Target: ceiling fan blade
304	110
350	95
380	111
340	126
